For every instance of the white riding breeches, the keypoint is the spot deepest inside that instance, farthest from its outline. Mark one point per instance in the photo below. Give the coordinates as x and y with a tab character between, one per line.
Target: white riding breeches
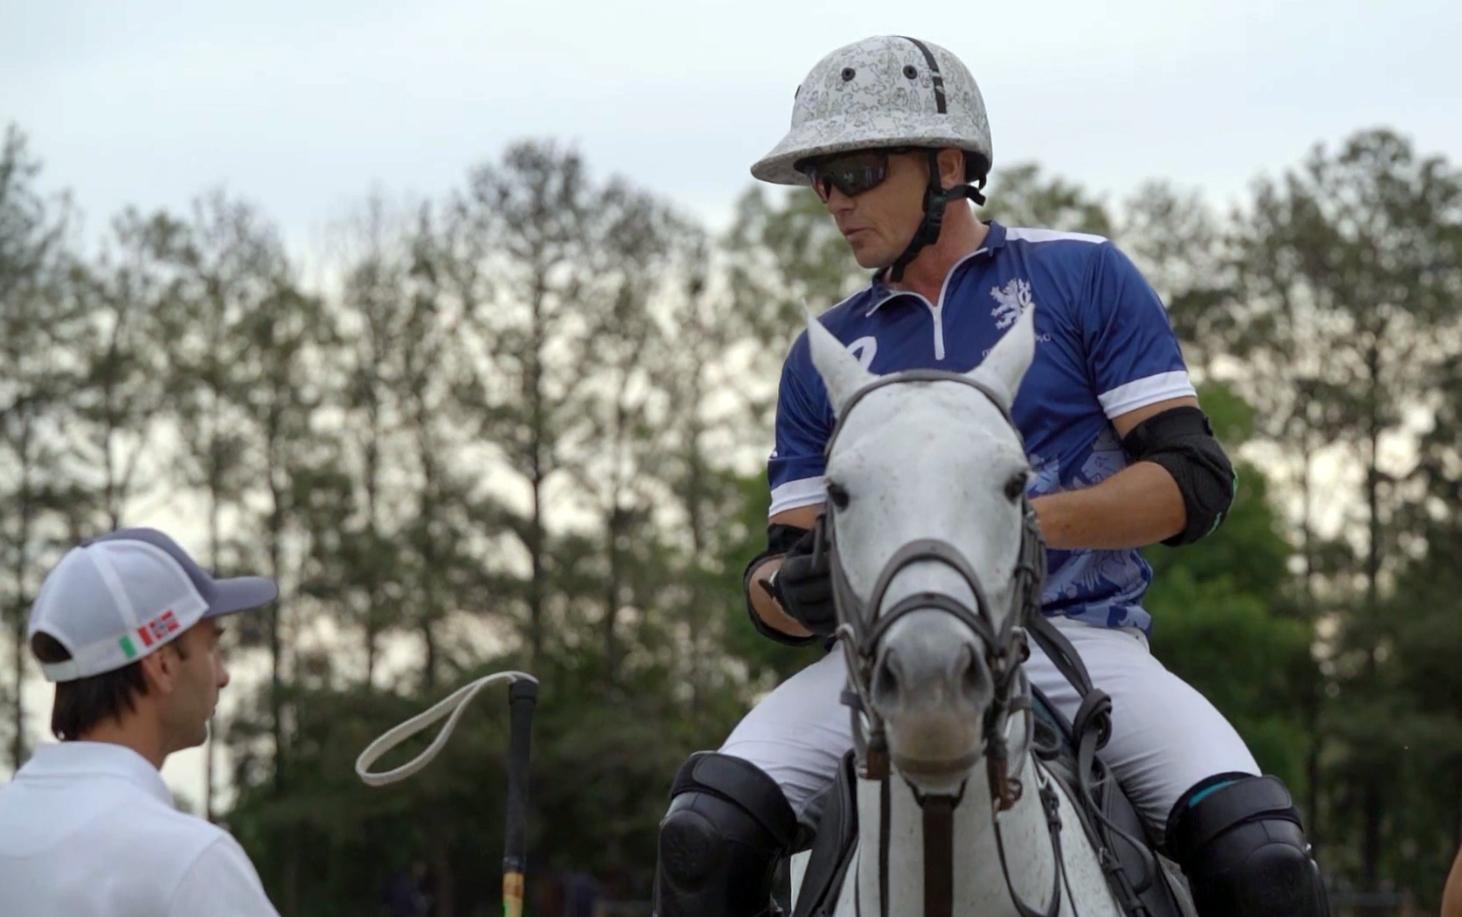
1166	736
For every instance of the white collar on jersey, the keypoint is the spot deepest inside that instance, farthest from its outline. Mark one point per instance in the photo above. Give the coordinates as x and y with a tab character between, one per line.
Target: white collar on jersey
96	759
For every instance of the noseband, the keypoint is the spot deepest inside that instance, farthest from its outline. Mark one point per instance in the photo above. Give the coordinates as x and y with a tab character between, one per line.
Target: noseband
861	628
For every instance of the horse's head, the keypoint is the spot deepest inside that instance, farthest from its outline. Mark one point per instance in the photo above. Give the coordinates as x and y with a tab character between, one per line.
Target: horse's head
934	561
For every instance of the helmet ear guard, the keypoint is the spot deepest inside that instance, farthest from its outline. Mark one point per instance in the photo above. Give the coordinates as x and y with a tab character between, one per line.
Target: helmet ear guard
977	170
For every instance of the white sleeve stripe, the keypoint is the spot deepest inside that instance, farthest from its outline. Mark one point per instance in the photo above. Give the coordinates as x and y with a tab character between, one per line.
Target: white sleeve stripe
793	494
1051	235
1141	392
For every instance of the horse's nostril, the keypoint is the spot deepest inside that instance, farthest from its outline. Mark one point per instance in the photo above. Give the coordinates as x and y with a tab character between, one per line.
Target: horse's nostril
974	672
886	682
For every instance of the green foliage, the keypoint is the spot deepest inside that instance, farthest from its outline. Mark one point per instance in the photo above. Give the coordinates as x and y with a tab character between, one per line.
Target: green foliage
357	836
1348	276
1248	550
784	255
1225	619
1228	643
1178	242
1020	195
602	763
38	490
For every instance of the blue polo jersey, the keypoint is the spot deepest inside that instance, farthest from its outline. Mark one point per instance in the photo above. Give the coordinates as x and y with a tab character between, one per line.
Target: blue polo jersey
1104	347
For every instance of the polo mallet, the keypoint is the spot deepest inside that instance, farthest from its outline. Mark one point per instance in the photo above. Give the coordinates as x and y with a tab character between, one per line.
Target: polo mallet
521	697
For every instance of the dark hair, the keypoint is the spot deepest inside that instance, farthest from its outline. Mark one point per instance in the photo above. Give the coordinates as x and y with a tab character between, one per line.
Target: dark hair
84	702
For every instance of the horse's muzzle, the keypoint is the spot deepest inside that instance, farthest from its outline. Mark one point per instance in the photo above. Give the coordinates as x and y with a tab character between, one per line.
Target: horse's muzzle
931	688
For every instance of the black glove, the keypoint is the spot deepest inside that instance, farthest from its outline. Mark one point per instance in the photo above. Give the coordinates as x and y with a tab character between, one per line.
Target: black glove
804	584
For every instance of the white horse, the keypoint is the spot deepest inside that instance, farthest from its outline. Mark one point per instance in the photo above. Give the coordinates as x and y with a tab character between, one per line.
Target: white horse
936	561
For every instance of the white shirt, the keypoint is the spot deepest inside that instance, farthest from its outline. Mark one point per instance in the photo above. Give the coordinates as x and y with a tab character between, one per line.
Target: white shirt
89	829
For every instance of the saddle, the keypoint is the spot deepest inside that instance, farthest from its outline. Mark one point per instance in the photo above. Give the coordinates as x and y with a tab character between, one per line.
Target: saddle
1144	882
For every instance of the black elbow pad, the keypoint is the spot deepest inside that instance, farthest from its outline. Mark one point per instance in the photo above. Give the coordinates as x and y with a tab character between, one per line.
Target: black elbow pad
1181	440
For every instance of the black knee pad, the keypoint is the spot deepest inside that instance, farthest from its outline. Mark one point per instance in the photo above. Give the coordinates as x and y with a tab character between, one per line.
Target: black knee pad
1239	841
727	826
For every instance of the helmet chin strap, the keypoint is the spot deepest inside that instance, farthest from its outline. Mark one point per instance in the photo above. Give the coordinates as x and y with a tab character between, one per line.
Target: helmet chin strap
936	198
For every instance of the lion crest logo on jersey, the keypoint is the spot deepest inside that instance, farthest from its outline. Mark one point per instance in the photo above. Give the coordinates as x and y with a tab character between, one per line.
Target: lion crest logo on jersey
1010	301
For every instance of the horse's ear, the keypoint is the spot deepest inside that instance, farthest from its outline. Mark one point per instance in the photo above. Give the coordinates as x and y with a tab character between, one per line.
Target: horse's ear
841	372
1009	359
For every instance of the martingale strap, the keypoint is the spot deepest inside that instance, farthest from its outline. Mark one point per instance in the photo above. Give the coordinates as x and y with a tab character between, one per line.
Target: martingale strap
939	855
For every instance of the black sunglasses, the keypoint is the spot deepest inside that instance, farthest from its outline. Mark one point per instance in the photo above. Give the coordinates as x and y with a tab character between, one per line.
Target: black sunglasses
851	173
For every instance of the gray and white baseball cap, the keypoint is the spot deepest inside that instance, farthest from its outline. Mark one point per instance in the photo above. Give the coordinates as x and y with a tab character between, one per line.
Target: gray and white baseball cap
119	597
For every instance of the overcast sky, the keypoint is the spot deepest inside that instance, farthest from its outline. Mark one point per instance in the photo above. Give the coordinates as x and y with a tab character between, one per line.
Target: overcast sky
304	107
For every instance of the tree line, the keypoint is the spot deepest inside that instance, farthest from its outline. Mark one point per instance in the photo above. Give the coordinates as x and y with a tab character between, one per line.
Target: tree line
521	424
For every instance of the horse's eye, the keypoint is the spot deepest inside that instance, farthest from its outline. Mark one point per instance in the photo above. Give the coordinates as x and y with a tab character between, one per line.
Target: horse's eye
837	494
1015	487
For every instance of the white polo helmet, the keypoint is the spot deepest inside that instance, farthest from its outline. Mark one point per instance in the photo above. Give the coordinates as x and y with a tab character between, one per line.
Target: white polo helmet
885	91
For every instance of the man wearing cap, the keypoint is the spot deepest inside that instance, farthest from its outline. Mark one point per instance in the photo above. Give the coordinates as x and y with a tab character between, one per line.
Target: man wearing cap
892	135
128	627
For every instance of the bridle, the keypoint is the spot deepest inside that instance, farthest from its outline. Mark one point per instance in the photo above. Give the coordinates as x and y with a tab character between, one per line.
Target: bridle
861	628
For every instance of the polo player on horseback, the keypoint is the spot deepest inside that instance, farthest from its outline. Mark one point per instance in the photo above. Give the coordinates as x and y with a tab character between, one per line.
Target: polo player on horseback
891	134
